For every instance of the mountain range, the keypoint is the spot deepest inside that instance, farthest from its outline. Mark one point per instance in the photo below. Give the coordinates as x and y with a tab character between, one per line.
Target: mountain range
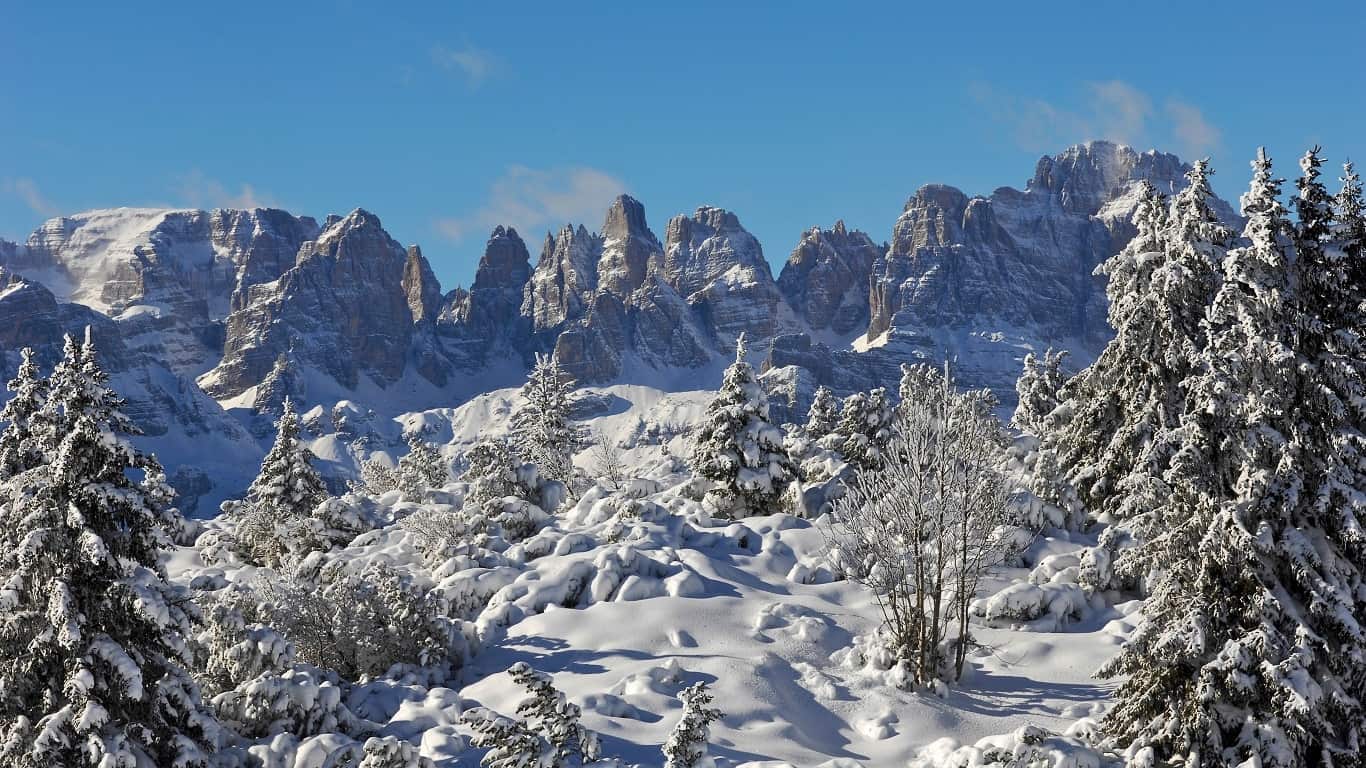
209	319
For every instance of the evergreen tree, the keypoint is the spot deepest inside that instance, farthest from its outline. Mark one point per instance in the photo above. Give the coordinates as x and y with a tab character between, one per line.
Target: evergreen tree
1040	381
824	414
687	744
738	448
421	468
285	491
20	449
1350	220
510	742
1116	439
866	425
542	428
556	719
1253	646
492	472
93	638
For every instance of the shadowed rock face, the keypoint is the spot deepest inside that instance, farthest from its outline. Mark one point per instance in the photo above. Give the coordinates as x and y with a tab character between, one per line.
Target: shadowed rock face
826	279
1018	258
346	308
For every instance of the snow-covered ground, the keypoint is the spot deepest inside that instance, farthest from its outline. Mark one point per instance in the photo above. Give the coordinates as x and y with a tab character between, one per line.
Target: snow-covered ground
631	595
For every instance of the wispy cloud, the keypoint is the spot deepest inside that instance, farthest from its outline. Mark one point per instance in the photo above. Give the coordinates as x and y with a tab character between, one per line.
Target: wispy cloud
197	190
1195	135
469	62
530	200
27	190
1111	109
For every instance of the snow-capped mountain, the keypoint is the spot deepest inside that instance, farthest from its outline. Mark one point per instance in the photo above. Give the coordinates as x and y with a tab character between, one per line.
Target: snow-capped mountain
253	306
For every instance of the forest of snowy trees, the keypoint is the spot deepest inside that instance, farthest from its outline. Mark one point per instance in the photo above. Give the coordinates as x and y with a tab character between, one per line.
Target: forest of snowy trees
1216	449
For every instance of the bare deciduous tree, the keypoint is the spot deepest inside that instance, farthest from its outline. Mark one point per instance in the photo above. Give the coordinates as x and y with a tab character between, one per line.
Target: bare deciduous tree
921	531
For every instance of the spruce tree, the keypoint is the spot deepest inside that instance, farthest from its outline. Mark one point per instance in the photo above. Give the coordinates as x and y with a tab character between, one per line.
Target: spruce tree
19	446
1117	441
739	449
542	429
866	425
93	638
1252	649
824	414
687	744
1037	389
286	490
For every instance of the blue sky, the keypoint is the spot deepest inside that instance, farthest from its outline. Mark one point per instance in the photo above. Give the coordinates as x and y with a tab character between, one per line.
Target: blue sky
446	118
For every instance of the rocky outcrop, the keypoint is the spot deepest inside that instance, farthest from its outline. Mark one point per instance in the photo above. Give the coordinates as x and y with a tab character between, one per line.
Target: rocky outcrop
421	287
826	279
486	321
1018	259
719	269
344	308
629	248
565	278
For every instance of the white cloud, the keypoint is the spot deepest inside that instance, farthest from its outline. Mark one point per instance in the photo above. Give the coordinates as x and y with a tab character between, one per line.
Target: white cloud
471	63
1112	109
197	190
531	200
1195	136
26	190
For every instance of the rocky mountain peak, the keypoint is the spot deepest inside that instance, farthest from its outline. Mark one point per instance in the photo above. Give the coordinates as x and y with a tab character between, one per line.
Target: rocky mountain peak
421	287
628	247
565	278
826	278
505	264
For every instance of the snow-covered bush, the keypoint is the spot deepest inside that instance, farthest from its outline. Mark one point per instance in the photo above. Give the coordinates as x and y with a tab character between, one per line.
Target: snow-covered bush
420	469
548	734
302	701
389	752
364	623
687	744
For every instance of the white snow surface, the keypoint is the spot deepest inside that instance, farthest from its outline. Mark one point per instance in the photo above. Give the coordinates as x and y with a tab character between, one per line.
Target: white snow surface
637	594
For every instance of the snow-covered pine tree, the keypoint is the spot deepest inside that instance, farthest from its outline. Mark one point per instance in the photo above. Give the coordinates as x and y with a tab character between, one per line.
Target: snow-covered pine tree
1252	651
492	472
1037	388
20	449
510	742
93	638
543	430
824	414
738	448
1120	412
1349	217
548	735
556	718
421	468
285	491
866	425
687	744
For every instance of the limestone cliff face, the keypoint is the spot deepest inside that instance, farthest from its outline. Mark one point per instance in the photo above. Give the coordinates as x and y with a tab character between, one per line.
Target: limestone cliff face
348	307
826	278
